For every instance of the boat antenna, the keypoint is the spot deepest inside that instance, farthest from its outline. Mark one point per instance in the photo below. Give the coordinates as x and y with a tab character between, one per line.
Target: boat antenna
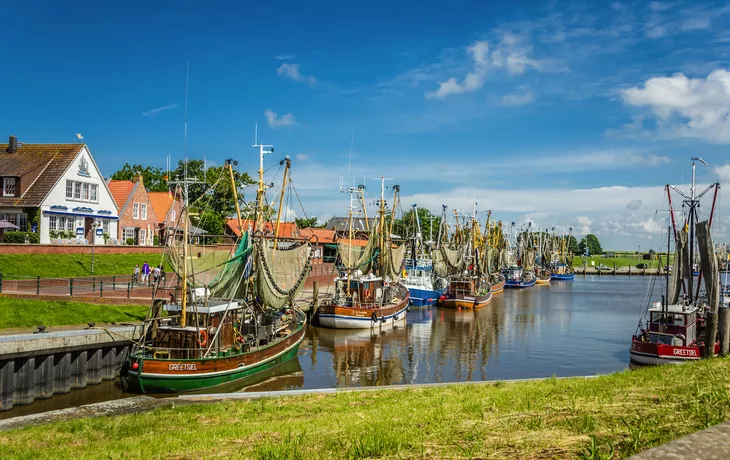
349	157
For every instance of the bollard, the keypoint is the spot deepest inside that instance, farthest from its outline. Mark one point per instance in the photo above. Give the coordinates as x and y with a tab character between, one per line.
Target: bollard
70	287
1	282
38	285
93	284
101	288
129	286
114	282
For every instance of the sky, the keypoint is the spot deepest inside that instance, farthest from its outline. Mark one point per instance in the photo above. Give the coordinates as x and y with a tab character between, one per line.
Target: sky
562	114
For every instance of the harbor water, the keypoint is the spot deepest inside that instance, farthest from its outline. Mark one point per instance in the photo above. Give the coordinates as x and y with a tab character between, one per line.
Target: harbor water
570	328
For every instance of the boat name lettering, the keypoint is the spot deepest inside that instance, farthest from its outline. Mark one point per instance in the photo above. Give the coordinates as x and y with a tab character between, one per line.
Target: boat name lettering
684	352
183	367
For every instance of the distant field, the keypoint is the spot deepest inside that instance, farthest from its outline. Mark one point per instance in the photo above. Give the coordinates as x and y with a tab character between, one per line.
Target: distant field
72	265
621	261
15	313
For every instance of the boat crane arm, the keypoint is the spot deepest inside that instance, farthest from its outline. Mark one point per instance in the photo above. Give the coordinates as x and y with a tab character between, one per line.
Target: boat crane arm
678	191
707	190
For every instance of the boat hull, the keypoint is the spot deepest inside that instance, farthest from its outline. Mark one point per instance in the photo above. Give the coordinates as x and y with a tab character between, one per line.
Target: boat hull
459	300
339	317
420	297
512	284
155	375
542	282
562	276
653	354
497	288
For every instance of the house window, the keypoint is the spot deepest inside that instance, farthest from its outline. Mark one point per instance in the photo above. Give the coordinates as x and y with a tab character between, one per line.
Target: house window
173	215
77	190
135	211
94	192
144	211
70	224
23	222
105	225
9	186
52	222
82	191
69	189
86	191
128	233
143	237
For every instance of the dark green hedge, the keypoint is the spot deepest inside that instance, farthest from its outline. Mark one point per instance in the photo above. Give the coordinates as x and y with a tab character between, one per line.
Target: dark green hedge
19	237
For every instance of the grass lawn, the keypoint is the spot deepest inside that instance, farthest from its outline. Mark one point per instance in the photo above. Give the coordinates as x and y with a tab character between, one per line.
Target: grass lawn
621	261
16	313
605	417
72	265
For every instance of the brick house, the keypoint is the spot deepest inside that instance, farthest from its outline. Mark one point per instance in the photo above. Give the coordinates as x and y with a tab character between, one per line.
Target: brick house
168	208
137	218
54	189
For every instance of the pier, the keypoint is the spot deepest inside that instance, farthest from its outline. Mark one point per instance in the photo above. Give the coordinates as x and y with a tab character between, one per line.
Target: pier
39	365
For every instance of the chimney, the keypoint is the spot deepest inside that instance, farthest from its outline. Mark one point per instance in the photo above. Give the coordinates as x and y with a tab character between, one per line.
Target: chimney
138	178
12	144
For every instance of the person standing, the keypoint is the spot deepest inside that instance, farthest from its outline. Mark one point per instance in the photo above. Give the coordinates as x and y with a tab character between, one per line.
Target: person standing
135	274
146	273
156	275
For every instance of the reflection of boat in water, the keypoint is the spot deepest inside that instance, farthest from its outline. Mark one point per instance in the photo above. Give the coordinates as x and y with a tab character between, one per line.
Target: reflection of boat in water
286	376
366	357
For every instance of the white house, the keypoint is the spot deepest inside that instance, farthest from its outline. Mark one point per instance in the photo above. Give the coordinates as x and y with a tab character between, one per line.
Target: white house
53	188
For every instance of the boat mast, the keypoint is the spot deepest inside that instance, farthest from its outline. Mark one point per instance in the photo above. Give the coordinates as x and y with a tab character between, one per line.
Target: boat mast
261	192
441	226
183	309
287	167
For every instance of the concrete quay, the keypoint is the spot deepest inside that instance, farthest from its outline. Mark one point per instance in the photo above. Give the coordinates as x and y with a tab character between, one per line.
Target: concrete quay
39	365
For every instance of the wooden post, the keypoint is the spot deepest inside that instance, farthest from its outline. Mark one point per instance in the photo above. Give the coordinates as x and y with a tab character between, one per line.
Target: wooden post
315	297
712	283
723	319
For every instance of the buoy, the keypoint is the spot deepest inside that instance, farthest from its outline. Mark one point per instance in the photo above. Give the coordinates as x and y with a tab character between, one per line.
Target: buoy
135	366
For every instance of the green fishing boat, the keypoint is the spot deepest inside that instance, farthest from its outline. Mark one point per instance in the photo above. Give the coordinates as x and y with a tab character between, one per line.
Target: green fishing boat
232	321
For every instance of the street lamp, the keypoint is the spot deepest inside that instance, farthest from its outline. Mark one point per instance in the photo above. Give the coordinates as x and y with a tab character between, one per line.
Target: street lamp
93	243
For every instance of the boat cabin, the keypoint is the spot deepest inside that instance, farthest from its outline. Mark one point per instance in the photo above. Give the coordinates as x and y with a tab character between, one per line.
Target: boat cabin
362	290
674	325
513	273
203	323
418	273
561	269
465	286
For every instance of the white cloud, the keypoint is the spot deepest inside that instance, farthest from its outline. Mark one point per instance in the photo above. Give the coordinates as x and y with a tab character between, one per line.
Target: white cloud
687	107
634	204
276	121
292	71
152	112
284	57
584	225
723	172
518	98
511	54
302	157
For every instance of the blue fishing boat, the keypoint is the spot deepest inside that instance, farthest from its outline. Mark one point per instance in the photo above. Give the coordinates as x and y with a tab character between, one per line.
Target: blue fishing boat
562	272
423	285
518	278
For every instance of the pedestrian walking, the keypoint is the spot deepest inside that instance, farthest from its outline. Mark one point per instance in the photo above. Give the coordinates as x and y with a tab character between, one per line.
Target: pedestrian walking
146	273
156	274
135	274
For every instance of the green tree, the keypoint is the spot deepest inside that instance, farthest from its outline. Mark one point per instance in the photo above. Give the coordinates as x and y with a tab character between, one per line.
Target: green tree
213	204
405	226
154	178
304	222
590	241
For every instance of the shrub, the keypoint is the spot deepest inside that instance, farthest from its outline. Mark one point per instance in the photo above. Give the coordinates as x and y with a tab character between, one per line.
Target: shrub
130	242
19	237
156	240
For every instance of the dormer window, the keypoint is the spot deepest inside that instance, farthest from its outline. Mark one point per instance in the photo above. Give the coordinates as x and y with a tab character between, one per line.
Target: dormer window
9	186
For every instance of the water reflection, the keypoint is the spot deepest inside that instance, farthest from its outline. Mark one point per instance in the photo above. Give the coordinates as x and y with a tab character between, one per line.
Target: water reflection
569	328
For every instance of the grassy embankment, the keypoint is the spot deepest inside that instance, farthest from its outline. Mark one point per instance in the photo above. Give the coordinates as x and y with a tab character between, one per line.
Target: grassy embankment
72	265
605	417
623	260
19	313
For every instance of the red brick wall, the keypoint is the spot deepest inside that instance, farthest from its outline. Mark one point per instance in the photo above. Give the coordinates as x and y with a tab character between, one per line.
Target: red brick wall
126	216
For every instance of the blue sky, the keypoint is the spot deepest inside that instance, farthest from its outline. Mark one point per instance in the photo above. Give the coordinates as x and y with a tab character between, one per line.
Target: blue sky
563	114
